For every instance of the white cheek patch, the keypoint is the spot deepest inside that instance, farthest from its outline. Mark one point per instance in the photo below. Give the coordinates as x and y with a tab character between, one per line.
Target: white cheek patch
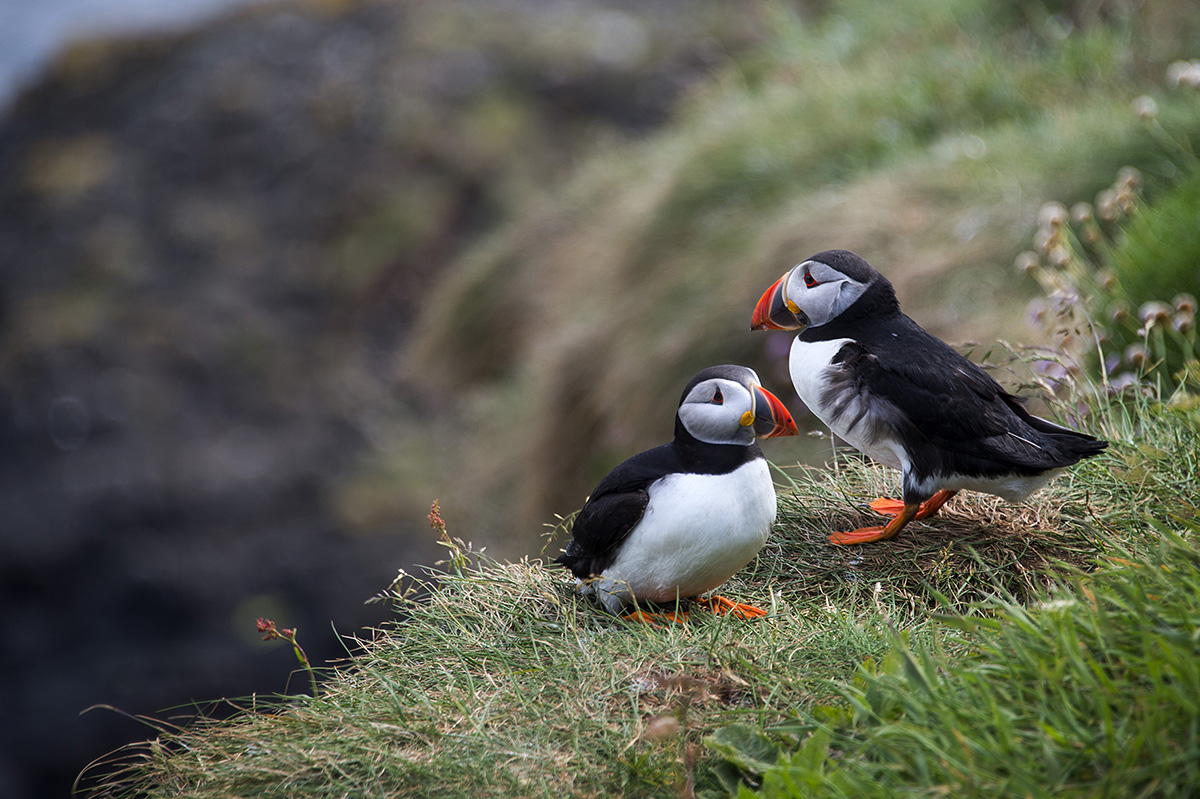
848	294
721	423
824	302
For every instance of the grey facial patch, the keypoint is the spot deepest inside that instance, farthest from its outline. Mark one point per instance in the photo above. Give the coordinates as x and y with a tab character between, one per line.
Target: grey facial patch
718	422
832	294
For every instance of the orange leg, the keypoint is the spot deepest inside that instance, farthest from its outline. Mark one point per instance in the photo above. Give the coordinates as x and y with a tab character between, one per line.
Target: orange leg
892	507
720	606
646	617
865	535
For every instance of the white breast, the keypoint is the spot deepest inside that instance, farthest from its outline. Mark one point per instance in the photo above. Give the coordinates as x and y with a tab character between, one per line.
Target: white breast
812	374
696	532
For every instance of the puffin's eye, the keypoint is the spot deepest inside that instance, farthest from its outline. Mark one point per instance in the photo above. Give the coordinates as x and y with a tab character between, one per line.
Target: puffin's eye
717	398
809	280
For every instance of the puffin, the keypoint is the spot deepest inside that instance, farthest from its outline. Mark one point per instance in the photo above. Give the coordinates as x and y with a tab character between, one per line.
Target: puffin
906	398
676	521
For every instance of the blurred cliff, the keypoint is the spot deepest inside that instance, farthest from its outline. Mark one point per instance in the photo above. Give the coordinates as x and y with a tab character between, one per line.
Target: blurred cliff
213	246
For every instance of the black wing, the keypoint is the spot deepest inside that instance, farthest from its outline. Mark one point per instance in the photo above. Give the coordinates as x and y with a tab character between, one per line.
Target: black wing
613	510
972	424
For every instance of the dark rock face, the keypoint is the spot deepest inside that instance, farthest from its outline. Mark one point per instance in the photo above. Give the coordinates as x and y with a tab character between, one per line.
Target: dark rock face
210	249
170	420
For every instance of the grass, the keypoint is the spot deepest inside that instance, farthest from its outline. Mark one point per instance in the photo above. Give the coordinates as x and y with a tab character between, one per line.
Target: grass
1090	692
990	650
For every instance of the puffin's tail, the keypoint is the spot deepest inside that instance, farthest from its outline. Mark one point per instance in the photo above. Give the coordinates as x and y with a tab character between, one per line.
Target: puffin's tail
1071	446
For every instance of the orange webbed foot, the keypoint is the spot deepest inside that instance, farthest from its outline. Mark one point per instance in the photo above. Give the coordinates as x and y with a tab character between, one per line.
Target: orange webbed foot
863	535
721	606
646	617
866	535
893	507
886	507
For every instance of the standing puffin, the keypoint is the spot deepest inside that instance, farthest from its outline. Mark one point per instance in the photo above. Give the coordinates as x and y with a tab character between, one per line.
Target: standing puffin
905	398
678	520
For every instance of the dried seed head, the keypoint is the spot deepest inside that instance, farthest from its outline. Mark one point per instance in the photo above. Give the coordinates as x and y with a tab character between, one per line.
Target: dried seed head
1176	70
1154	313
1121	382
1059	256
1053	215
1045	238
1026	261
1129	177
1035	312
1184	322
1135	355
1051	369
1184	303
1145	107
1184	74
1106	205
1106	280
660	728
1119	312
1081	212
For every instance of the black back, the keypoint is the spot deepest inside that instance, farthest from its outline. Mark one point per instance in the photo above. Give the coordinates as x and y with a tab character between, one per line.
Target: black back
950	415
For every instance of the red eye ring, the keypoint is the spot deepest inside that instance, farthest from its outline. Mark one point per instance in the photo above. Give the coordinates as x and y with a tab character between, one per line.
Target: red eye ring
718	399
809	280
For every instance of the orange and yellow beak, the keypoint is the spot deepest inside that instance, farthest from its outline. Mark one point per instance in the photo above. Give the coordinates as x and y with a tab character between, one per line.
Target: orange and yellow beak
771	418
776	312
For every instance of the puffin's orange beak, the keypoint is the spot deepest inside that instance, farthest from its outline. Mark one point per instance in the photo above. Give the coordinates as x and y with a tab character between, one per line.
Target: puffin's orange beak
771	418
773	311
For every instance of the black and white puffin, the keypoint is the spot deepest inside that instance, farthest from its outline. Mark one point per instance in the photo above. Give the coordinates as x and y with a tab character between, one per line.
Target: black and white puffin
906	398
676	521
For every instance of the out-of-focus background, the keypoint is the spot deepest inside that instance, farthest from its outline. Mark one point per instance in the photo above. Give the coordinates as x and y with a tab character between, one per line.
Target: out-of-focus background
276	275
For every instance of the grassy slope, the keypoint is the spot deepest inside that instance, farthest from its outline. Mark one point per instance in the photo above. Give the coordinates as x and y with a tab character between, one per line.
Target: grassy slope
503	682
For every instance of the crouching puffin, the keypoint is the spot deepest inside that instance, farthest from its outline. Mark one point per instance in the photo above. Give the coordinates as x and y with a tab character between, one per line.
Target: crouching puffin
906	398
678	520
